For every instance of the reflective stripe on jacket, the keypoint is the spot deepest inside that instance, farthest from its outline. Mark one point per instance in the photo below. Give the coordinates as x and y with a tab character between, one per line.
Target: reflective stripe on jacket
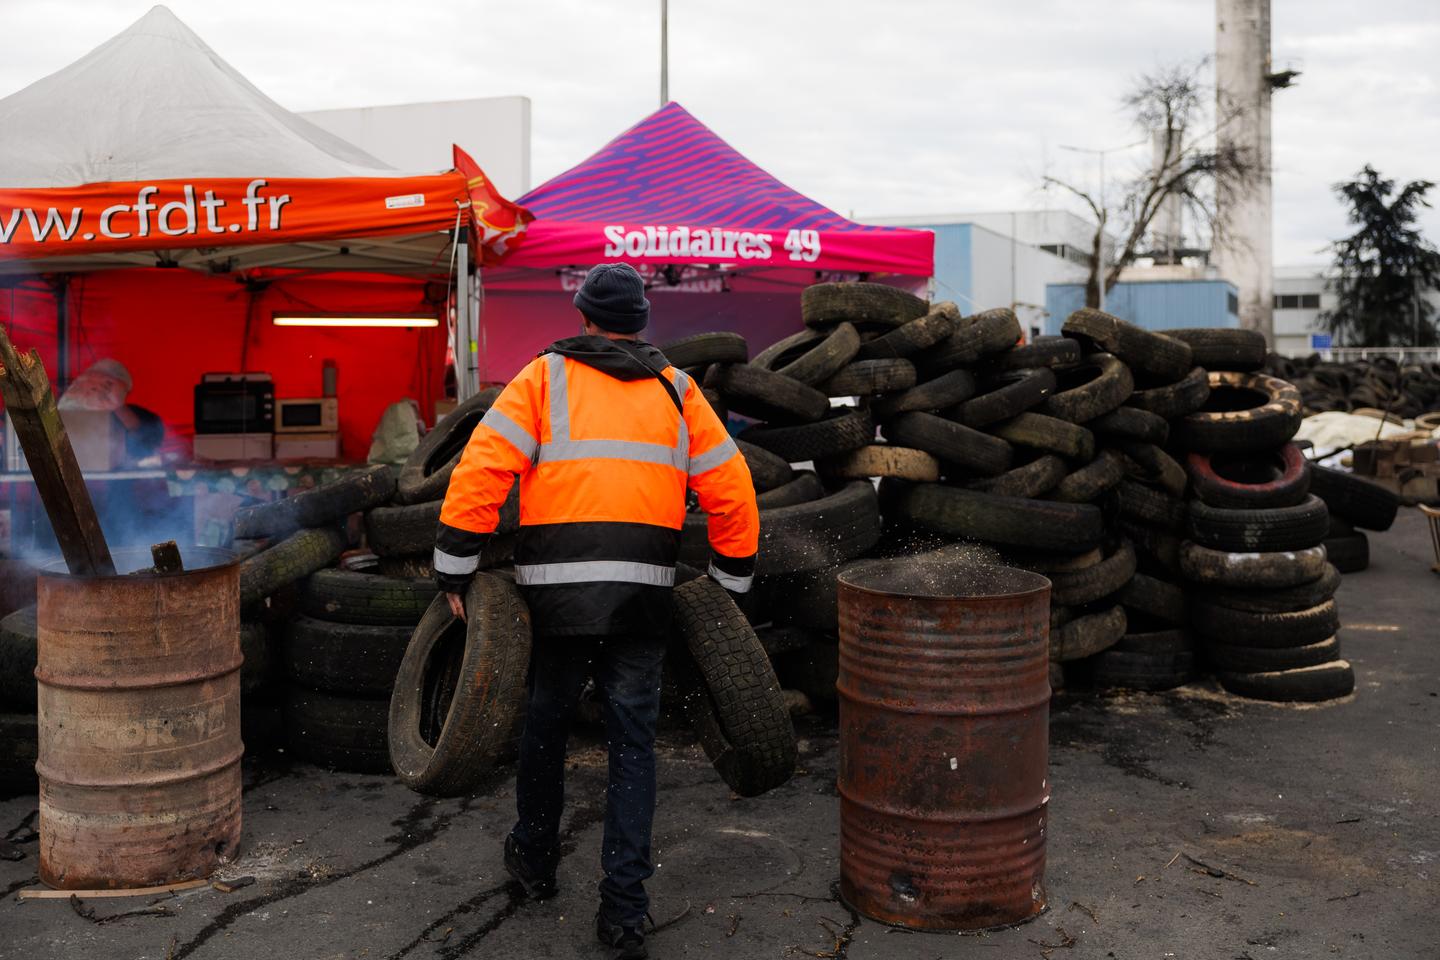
604	460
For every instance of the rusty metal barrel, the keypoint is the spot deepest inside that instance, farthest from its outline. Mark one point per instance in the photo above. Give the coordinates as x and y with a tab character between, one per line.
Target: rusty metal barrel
139	715
944	710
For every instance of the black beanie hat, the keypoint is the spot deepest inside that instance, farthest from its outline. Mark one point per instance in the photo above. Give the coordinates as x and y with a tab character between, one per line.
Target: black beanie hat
613	298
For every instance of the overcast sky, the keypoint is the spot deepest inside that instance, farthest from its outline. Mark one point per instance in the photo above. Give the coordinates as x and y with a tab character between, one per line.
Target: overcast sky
902	107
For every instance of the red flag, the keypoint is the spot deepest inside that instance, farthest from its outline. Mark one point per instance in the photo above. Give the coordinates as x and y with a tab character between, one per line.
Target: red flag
499	225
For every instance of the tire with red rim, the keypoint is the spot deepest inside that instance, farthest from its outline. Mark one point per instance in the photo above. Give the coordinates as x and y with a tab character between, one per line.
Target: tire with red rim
1250	481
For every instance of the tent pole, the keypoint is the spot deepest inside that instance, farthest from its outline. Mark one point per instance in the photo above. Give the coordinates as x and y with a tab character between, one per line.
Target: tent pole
464	349
664	52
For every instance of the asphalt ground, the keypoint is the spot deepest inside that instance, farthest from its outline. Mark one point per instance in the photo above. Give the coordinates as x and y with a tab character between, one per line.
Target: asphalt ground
1190	824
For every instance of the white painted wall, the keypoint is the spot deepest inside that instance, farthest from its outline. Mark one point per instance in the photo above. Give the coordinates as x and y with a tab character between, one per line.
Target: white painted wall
1006	272
417	137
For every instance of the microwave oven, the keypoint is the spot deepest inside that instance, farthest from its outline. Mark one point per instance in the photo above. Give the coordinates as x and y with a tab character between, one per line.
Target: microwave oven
307	415
235	403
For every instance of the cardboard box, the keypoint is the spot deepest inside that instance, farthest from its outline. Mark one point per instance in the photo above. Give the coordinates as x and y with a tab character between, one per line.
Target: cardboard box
234	446
307	446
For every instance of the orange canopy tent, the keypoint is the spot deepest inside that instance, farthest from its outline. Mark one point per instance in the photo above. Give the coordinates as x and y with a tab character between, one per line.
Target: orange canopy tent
155	207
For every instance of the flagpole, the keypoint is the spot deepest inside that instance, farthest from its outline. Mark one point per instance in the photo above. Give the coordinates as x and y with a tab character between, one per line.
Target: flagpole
664	52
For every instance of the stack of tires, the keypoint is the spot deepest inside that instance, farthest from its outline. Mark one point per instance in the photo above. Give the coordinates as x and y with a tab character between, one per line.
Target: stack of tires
282	543
340	657
1355	505
1262	589
19	735
1067	455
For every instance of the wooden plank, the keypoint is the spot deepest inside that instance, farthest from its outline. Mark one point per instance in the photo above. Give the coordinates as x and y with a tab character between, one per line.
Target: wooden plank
45	893
166	557
31	405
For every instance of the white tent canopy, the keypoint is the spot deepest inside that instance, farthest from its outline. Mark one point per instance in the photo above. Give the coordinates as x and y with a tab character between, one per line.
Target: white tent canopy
156	103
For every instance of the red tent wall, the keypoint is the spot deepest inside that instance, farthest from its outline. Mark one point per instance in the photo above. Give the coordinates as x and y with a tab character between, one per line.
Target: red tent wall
170	326
526	309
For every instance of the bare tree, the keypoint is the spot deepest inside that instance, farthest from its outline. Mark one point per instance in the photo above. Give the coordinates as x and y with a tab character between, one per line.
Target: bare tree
1170	106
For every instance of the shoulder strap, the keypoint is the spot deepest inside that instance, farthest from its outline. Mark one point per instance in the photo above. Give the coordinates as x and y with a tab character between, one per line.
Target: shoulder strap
657	374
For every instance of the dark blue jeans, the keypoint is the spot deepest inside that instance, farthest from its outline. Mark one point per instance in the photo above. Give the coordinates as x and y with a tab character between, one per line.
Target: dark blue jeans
627	674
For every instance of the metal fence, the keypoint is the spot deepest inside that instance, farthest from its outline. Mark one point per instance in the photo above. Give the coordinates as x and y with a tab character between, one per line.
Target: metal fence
1400	355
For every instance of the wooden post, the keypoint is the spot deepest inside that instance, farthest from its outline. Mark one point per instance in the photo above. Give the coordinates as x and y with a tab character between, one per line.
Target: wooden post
31	405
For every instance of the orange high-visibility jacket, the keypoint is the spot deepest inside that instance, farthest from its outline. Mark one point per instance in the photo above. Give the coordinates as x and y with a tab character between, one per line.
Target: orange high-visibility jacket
604	458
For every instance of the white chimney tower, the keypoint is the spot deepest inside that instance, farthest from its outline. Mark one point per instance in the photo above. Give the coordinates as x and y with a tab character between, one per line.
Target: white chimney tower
1243	86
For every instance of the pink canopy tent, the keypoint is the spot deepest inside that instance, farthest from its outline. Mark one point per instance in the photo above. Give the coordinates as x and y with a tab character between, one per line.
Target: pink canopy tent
723	244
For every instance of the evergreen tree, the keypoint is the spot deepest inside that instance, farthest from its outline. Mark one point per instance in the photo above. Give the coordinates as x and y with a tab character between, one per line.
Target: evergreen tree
1383	270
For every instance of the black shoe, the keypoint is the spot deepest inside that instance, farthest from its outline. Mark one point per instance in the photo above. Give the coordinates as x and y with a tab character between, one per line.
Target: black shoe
630	941
537	886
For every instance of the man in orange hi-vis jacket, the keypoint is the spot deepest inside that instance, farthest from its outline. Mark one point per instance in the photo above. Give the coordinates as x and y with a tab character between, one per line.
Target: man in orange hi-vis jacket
606	438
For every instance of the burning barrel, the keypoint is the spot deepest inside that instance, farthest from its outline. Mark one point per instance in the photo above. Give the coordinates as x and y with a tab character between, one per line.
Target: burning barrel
139	714
944	705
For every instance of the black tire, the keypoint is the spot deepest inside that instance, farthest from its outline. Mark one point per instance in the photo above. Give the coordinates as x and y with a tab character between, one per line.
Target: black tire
290	560
1030	480
350	659
427	470
458	705
1151	506
1132	423
823	304
1010	395
19	751
703	349
1260	480
1042	352
1260	531
340	733
1129	670
951	442
759	393
826	358
1173	400
409	531
804	488
1280	600
812	669
944	391
1039	432
883	460
767	470
867	378
845	430
1046	562
819	533
1349	554
729	690
256	670
1220	348
347	596
811	599
1253	571
806	536
317	507
1351	498
1090	389
17	659
1087	635
1149	463
1234	658
1091	584
915	336
1294	628
1154	597
1245	411
978	336
1156	550
1087	484
1161	356
1007	521
785	349
1156	642
1327	681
